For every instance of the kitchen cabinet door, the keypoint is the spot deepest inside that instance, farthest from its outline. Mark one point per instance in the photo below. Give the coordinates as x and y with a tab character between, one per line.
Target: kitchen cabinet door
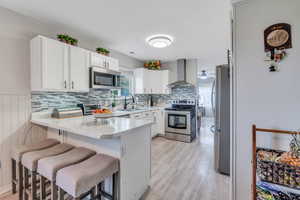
49	64
79	72
97	60
161	121
165	82
155	83
112	64
142	81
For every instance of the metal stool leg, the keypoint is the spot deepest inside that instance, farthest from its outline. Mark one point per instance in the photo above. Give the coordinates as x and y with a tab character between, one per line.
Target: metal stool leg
14	176
42	188
115	185
26	183
61	194
93	193
20	181
53	191
33	186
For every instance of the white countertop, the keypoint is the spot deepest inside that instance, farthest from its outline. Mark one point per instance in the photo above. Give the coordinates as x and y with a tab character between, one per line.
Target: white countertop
89	127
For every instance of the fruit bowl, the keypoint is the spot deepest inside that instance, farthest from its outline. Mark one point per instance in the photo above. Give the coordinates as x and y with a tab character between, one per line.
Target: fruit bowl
102	113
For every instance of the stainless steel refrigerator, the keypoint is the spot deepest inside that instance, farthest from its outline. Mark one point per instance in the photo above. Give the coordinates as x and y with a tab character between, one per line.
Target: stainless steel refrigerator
221	108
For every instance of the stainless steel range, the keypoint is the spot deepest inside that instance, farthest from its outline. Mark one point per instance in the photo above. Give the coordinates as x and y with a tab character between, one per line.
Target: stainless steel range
180	120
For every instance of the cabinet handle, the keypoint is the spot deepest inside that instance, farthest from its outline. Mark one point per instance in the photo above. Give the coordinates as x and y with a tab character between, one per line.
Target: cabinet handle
72	84
108	64
65	84
104	63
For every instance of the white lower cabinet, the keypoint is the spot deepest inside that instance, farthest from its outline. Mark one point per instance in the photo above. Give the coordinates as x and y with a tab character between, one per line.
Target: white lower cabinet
158	127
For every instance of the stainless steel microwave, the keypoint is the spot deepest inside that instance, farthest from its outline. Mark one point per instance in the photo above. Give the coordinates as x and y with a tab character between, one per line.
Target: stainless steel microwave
104	78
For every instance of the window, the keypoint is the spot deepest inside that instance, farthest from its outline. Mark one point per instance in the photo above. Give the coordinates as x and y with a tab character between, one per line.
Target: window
126	82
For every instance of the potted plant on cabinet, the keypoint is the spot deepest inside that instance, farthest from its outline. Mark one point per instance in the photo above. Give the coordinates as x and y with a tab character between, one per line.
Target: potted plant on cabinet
153	65
102	51
67	39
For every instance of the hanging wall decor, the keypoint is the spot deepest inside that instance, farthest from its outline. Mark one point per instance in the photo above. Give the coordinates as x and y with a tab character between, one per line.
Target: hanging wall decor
277	39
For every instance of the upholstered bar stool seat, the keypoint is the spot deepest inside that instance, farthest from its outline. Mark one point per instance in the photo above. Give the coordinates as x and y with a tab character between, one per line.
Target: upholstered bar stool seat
18	151
17	154
79	179
30	159
48	167
30	162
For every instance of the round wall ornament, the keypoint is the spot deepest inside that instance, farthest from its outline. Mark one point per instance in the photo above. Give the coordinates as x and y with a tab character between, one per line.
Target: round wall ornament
278	36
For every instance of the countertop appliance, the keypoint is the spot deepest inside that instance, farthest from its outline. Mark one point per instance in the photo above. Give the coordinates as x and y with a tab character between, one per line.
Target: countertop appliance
104	78
180	120
87	109
221	109
67	112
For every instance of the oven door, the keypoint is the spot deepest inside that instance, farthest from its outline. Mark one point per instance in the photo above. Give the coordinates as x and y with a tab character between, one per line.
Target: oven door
102	78
178	122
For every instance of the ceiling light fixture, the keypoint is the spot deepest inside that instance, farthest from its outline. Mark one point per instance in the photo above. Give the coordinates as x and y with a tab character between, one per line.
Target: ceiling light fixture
160	41
203	75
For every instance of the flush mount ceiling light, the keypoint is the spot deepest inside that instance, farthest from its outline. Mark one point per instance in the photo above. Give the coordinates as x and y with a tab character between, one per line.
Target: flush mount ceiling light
159	41
203	75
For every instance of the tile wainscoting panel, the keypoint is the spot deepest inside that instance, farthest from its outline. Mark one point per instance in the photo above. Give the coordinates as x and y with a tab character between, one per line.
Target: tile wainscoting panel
15	129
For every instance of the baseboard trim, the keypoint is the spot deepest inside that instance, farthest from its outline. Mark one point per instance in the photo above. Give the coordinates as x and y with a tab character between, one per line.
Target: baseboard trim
5	189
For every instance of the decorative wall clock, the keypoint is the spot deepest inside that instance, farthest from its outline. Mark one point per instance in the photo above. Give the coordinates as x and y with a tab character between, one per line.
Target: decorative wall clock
277	39
278	36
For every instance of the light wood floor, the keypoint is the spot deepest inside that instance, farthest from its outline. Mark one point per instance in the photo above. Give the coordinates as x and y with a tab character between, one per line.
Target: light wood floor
183	171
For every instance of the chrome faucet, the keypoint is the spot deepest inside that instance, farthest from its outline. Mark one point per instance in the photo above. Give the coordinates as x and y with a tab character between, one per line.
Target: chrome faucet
127	103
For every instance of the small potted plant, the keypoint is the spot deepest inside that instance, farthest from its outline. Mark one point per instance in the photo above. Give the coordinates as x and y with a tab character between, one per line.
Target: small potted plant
102	51
153	65
67	39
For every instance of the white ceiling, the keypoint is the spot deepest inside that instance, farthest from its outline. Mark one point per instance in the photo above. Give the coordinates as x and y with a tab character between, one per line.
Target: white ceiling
201	28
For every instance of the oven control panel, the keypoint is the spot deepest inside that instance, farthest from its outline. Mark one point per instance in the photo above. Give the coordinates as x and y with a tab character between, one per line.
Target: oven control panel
183	102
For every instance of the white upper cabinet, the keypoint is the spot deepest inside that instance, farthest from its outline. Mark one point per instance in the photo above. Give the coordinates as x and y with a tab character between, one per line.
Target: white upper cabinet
112	64
155	81
56	66
98	60
141	81
79	73
151	81
49	64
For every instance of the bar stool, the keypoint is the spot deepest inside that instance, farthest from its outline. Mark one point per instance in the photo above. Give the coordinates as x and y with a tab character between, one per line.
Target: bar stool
80	180
30	161
16	164
48	167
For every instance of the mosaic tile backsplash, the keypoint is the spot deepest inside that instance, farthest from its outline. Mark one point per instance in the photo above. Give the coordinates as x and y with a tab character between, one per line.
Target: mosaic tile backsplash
43	101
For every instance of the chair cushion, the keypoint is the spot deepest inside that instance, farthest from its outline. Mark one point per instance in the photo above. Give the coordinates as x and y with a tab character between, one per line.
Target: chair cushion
18	151
80	178
30	159
49	166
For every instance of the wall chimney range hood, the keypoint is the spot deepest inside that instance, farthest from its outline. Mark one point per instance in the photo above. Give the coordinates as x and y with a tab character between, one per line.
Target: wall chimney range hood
181	75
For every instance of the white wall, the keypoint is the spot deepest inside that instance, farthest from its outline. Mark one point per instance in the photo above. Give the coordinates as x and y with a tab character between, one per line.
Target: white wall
269	100
205	89
15	107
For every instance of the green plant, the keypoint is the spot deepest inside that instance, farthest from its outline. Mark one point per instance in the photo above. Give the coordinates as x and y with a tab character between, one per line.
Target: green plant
67	39
102	50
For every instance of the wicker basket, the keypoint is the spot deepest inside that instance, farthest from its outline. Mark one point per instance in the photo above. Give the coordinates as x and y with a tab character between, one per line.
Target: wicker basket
278	173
